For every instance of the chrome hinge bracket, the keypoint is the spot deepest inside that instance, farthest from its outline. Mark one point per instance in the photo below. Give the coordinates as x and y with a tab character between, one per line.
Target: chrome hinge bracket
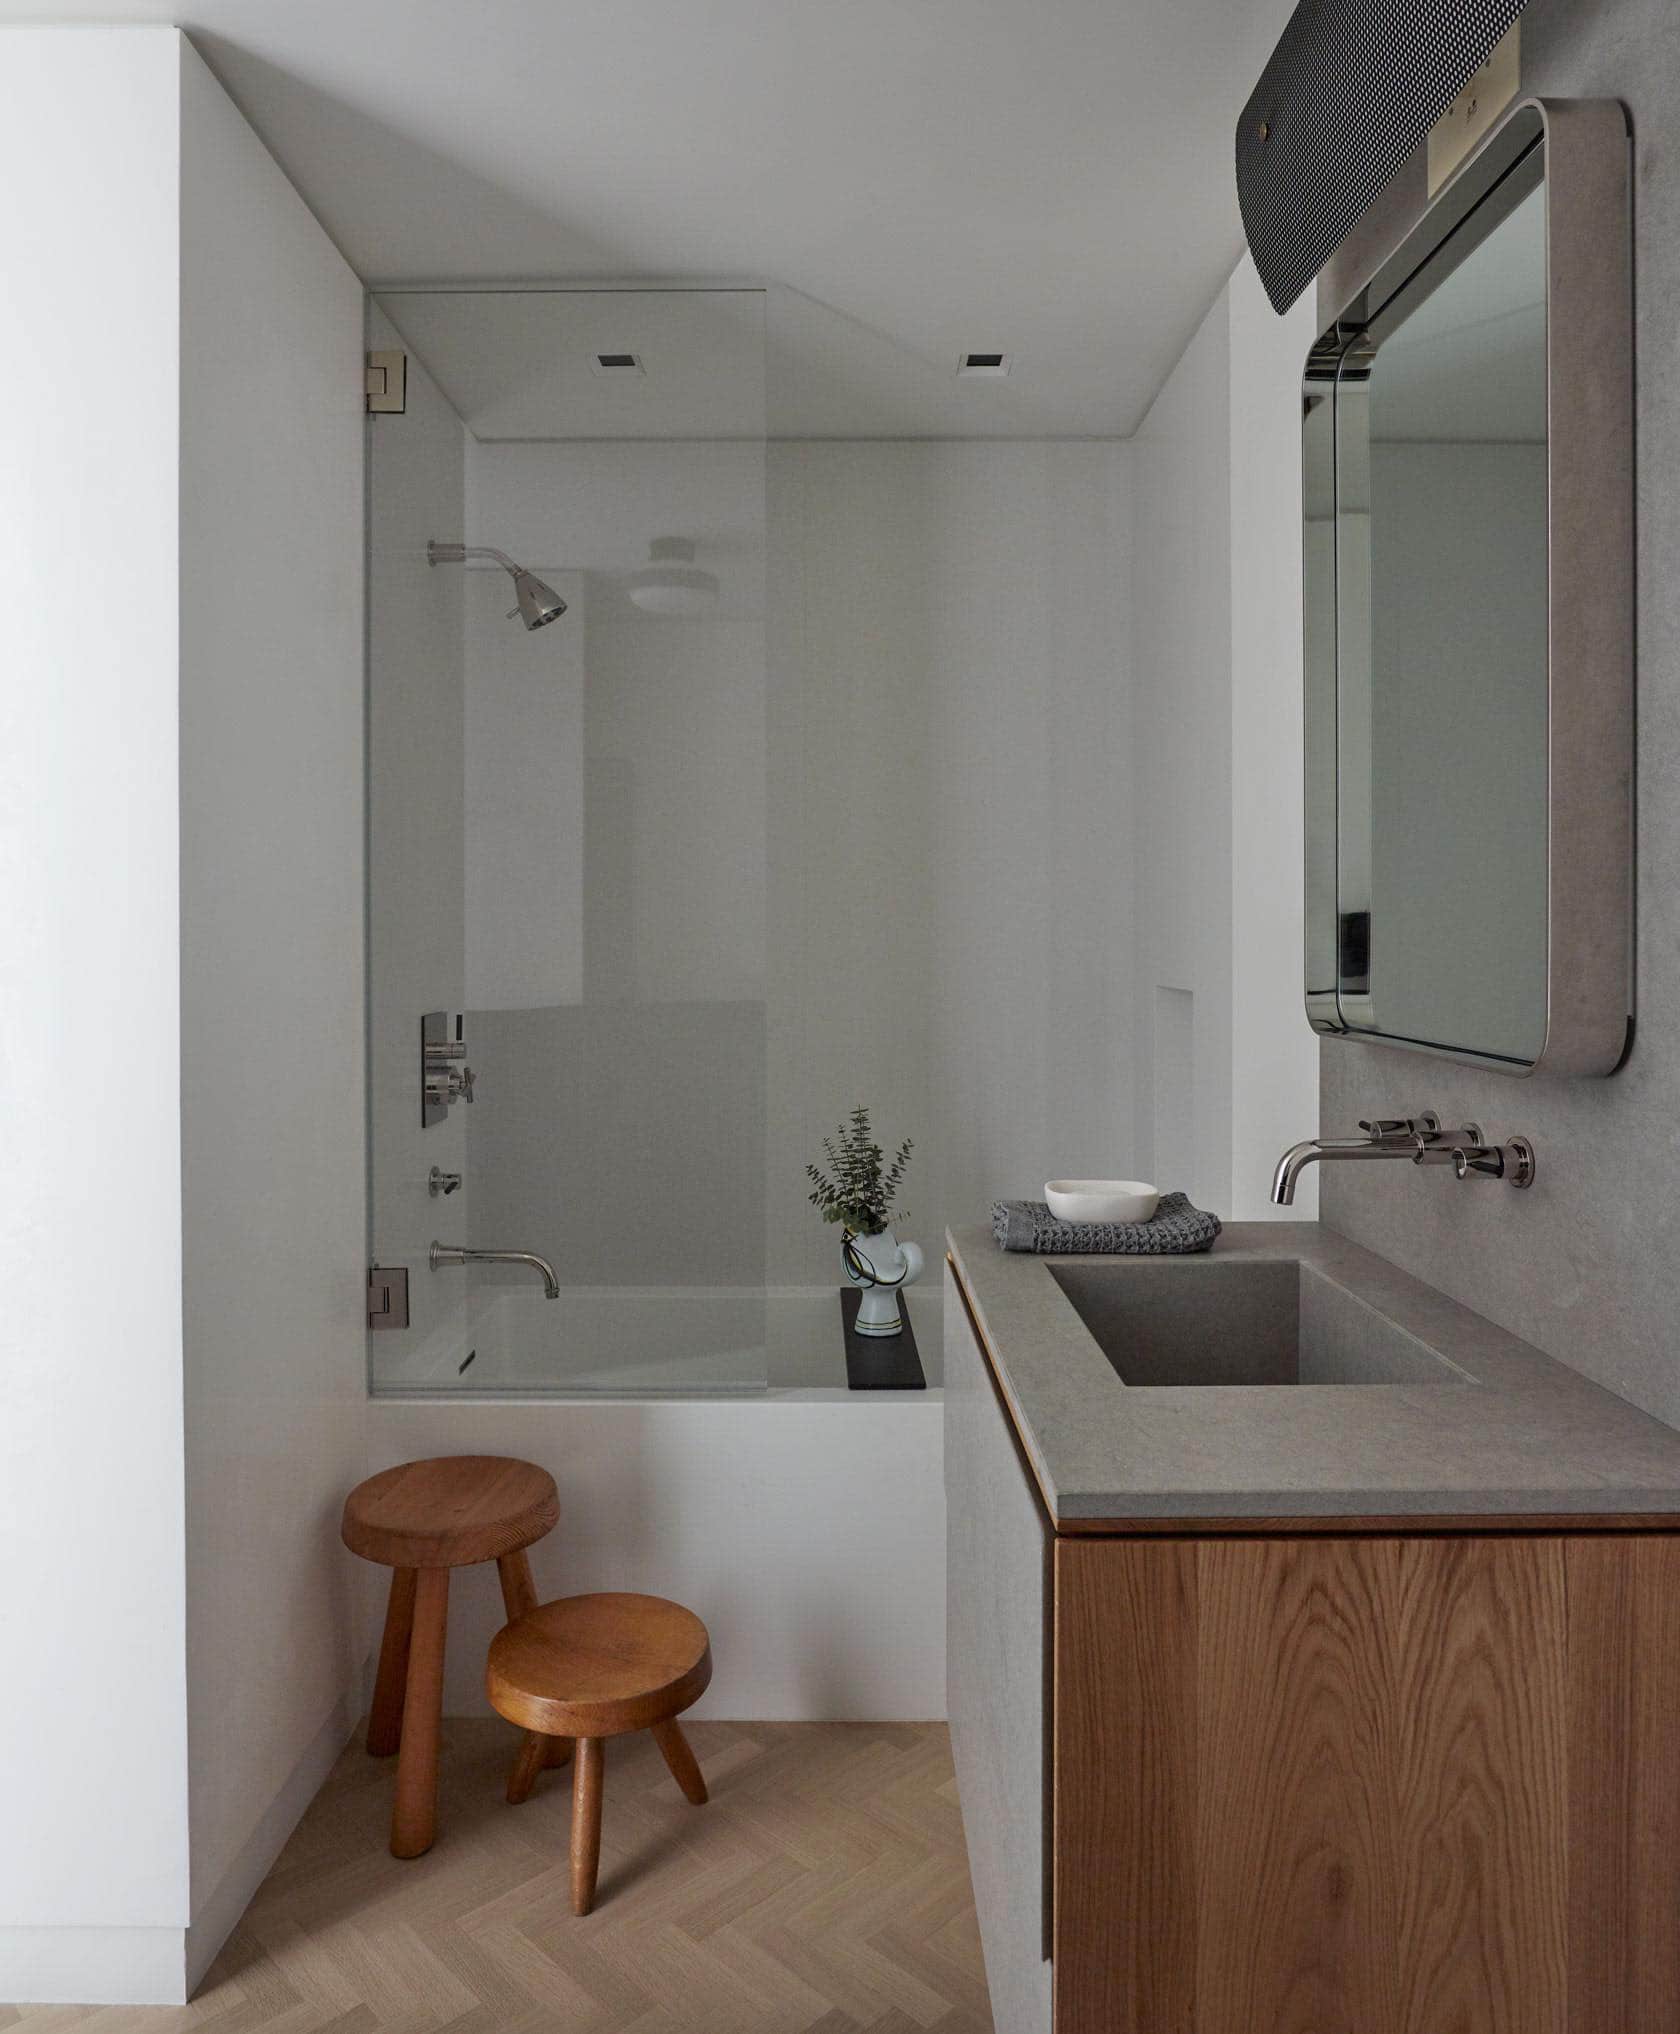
385	389
387	1296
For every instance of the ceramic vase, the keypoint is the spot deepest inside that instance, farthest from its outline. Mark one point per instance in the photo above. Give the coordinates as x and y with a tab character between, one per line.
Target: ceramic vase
880	1266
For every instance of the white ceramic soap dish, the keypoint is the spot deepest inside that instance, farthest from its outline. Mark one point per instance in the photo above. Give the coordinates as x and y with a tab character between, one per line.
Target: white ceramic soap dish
1102	1200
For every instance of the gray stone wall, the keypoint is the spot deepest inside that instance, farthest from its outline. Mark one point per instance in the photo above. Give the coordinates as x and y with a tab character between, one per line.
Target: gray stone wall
1587	1264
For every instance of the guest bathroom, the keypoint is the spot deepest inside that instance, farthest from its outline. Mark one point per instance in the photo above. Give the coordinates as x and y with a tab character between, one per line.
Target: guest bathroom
845	929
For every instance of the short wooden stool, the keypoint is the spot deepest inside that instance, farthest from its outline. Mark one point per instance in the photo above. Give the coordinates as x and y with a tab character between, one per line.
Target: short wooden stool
420	1520
590	1668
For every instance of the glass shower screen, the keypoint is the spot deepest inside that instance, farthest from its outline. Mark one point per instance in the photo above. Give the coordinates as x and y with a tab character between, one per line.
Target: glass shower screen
567	861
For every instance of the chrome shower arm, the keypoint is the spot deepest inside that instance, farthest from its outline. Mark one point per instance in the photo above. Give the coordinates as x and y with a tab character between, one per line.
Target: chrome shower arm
539	604
458	554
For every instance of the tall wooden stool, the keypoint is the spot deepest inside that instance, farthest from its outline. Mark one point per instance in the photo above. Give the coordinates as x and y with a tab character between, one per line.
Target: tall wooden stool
420	1520
590	1668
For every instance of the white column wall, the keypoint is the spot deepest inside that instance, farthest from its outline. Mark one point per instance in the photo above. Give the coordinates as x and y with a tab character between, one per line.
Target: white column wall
93	1721
272	1045
180	843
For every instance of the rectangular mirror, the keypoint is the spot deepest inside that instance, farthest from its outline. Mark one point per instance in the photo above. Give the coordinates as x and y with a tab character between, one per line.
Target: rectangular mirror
1468	555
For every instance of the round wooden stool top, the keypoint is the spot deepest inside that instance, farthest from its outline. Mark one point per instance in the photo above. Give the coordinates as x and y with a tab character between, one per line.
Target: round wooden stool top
598	1666
450	1512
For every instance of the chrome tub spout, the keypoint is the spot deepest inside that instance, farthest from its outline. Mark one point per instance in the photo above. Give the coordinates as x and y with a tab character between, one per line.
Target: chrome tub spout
441	1254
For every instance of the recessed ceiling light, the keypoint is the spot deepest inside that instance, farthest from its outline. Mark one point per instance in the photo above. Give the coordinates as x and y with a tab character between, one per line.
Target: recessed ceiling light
616	363
985	366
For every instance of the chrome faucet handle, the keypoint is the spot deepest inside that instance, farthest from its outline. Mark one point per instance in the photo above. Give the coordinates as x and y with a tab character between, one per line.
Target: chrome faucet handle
1402	1129
1438	1148
1470	1158
464	1087
1513	1162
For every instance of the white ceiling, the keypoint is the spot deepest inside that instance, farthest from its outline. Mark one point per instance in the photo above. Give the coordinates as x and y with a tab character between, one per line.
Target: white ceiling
1047	177
522	364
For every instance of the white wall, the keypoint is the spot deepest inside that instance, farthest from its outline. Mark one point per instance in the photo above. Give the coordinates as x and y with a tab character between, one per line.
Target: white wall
1226	1068
272	1021
893	867
932	782
673	708
950	722
1181	766
91	1441
183	1112
525	791
1274	1052
616	868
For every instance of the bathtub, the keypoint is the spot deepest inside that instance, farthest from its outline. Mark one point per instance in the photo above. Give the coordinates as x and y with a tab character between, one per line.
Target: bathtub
658	1341
803	1521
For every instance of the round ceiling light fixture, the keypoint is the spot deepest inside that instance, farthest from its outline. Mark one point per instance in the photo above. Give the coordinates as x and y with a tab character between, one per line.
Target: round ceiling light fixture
671	582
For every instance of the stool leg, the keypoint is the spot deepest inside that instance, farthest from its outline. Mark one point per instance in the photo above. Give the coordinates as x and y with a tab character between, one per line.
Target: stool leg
679	1756
586	1820
533	1756
519	1595
385	1721
519	1592
414	1817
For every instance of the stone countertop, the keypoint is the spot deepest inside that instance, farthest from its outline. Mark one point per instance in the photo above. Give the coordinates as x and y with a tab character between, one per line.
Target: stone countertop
1522	1433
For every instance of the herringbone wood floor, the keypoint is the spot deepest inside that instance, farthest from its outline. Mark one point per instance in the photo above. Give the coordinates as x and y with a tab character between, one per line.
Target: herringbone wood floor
824	1890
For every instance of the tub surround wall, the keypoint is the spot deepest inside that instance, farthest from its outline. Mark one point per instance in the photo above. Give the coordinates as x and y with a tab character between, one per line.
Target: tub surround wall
615	854
602	1132
820	1606
184	987
1583	1264
950	726
911	722
525	752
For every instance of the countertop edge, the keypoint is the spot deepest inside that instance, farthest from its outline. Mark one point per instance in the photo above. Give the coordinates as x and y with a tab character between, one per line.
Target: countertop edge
1261	1508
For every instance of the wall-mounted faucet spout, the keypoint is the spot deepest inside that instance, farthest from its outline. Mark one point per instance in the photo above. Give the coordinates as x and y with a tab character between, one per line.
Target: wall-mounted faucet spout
441	1254
1418	1138
1316	1150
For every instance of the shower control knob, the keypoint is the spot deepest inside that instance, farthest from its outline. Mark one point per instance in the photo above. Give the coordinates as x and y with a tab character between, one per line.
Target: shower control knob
464	1084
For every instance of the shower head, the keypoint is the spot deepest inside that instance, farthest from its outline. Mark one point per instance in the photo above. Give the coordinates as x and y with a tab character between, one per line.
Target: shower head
538	601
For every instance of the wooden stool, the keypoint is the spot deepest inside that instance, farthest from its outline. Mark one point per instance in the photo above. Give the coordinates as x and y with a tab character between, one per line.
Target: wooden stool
590	1668
420	1520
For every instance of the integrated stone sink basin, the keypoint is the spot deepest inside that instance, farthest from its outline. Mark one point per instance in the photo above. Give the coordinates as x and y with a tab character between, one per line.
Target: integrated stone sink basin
1227	1321
1141	1388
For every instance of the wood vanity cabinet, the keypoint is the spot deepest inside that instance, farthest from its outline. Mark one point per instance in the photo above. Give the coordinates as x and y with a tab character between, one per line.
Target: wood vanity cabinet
1344	1781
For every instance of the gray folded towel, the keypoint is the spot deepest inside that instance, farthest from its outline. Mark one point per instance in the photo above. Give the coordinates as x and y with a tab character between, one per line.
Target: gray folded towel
1176	1230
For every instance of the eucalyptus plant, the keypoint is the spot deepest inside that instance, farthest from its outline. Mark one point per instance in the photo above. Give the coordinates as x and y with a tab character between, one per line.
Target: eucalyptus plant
859	1188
